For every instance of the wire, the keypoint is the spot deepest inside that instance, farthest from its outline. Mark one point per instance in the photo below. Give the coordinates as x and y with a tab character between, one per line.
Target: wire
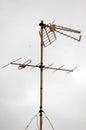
30	122
37	122
48	120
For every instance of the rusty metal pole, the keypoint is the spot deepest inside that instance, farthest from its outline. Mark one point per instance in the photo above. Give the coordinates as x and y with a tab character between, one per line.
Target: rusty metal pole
41	76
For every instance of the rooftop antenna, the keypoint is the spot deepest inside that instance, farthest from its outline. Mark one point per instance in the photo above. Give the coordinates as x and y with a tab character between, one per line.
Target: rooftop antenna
48	36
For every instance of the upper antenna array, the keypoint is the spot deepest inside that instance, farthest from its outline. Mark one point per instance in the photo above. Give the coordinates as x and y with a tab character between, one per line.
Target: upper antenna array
50	30
48	36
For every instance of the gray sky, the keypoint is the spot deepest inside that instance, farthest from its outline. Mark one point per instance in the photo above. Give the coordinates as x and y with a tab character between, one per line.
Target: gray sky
64	95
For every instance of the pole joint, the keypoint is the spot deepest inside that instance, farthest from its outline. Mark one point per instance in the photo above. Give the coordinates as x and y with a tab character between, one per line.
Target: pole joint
42	24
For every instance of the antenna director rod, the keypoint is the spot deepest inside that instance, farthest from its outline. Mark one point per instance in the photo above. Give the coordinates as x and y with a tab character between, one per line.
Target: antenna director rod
41	76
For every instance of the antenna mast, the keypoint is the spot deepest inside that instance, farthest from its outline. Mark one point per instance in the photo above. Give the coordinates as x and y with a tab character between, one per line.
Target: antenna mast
41	74
47	36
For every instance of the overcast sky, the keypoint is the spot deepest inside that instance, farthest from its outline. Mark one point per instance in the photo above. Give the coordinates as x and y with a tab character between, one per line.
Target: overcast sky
64	94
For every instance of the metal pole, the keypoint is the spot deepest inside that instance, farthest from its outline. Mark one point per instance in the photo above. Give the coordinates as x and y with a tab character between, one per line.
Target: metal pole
41	77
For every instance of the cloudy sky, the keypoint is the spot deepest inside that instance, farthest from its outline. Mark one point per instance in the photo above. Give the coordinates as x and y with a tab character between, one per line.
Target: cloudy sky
64	94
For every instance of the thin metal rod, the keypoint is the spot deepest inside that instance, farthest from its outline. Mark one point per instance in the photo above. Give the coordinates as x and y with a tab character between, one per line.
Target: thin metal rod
69	36
67	29
41	76
11	62
60	68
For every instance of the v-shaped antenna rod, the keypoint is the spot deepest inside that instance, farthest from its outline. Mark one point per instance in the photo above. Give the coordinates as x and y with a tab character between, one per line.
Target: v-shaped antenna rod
47	35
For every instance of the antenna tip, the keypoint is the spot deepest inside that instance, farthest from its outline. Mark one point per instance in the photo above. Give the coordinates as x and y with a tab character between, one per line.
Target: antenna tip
41	23
80	38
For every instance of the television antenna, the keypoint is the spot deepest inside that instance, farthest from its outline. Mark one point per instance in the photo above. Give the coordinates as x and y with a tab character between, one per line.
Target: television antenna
48	36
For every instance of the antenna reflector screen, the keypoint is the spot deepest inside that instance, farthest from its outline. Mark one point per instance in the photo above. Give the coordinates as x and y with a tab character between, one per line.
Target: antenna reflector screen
49	35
